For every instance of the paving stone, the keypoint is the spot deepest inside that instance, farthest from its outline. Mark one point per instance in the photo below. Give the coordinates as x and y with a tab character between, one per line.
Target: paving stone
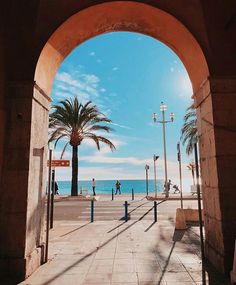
123	268
98	268
124	255
177	276
111	252
98	278
150	276
124	277
147	267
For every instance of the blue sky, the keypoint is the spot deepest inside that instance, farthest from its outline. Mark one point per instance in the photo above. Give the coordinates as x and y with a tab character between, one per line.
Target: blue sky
126	75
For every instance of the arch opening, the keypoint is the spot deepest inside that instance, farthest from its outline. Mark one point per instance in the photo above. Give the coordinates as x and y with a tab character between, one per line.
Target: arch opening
120	16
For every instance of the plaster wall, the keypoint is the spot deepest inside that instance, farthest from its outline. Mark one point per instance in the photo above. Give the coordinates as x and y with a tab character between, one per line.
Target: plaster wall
35	228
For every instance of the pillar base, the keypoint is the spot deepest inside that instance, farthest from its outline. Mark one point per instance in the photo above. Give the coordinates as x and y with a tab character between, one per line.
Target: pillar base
233	277
18	269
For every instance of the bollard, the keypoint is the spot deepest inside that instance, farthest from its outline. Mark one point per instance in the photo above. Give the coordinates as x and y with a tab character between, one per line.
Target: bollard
155	211
92	211
112	194
132	193
126	211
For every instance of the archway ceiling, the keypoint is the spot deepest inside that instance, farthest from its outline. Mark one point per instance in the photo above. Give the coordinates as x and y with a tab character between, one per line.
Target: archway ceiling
120	16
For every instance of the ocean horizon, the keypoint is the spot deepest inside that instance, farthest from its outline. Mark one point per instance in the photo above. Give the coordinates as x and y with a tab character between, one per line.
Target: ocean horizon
106	186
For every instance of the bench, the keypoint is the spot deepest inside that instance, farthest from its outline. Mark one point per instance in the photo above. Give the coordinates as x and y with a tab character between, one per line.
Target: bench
83	192
183	216
193	189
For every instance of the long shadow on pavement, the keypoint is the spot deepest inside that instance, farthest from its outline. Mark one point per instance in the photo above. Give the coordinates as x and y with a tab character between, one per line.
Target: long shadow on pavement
75	230
94	251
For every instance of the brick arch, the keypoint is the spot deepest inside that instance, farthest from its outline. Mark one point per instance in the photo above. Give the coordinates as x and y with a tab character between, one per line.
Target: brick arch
120	16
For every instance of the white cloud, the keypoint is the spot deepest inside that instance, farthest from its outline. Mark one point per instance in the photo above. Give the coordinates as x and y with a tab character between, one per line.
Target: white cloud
113	95
112	160
85	86
107	112
101	173
121	126
91	79
135	172
92	53
103	90
99	60
172	69
115	68
67	78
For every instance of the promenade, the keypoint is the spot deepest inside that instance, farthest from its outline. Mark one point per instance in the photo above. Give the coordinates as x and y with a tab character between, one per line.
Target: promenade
112	251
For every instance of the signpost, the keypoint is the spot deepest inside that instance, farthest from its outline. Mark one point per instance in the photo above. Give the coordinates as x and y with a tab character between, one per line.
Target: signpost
59	163
52	163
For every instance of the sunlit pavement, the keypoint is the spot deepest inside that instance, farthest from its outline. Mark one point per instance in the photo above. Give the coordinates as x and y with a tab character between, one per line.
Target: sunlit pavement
116	252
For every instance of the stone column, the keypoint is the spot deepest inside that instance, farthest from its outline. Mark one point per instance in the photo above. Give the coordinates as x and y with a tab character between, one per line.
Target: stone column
24	177
216	110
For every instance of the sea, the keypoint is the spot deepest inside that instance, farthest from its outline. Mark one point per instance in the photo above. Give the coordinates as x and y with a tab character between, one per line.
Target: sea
106	186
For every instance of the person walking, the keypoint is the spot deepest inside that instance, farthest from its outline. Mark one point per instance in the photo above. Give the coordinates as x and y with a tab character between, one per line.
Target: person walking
168	187
94	186
118	187
56	189
176	189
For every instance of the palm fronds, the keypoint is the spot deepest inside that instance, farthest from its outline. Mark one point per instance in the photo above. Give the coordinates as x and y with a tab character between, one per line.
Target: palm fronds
189	130
76	122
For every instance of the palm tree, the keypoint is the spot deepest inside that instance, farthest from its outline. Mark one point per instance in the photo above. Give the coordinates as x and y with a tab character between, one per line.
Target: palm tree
75	122
192	168
189	129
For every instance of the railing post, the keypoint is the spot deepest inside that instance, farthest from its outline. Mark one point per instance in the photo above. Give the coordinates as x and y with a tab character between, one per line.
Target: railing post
48	205
112	194
132	193
92	211
126	211
155	211
52	198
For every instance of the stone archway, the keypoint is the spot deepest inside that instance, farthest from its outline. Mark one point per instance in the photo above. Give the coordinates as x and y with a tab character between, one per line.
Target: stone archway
31	101
121	16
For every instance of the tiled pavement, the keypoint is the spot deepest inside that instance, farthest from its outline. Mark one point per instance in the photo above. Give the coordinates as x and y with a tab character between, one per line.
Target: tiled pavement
114	252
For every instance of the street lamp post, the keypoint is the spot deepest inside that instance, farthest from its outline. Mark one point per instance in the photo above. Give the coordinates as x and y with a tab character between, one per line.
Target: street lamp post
180	174
163	108
155	158
147	168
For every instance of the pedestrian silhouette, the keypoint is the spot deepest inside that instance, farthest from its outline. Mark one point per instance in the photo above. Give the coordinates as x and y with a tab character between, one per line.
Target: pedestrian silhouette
94	186
56	189
176	189
118	187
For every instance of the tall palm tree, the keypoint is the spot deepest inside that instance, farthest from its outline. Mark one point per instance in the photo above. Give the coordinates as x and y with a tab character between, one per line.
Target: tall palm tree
191	166
189	130
76	122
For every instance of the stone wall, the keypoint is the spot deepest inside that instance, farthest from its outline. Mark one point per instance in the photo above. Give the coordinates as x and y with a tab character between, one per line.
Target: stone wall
216	101
25	28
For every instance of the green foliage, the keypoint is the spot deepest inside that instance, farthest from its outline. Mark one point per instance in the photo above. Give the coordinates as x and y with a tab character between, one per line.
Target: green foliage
189	130
76	122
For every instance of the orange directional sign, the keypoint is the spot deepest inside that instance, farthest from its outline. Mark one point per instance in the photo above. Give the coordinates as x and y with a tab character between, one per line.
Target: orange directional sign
60	163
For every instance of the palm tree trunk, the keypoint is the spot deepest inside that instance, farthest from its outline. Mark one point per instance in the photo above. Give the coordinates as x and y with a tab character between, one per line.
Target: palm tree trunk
74	182
193	176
